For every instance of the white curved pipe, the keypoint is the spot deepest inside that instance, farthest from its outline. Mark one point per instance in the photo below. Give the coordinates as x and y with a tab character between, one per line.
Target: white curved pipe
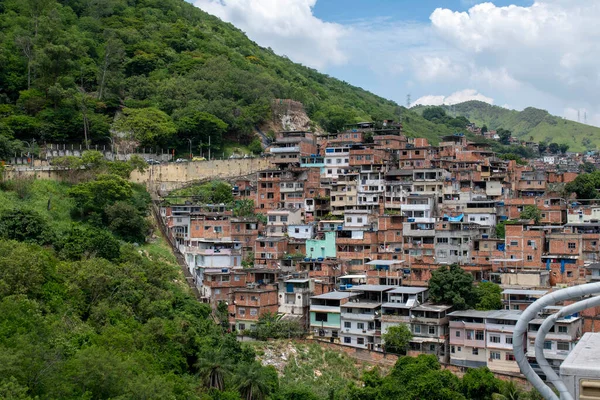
551	376
529	314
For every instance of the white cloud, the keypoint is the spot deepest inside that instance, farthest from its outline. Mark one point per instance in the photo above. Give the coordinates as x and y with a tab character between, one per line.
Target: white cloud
551	46
287	26
454	98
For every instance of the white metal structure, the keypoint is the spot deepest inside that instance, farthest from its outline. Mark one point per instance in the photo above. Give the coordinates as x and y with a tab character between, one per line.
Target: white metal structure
520	332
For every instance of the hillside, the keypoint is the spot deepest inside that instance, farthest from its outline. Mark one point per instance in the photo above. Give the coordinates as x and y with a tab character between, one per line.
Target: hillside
69	66
531	122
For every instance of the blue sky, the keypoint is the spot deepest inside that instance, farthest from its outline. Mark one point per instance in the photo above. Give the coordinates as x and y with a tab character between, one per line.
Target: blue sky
512	53
343	11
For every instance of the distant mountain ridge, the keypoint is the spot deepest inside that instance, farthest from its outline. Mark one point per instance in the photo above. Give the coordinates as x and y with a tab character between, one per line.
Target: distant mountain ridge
529	123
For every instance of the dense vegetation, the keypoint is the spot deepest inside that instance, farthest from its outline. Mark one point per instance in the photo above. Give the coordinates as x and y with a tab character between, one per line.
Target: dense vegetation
530	124
85	314
68	67
453	285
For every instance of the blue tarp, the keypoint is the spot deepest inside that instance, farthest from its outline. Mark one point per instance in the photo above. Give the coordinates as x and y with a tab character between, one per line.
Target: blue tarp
454	219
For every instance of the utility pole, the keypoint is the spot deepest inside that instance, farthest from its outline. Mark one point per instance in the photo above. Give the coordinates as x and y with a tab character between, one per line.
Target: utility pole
408	102
209	148
190	140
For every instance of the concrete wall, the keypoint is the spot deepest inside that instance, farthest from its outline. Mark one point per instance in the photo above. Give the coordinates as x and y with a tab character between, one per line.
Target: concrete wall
166	177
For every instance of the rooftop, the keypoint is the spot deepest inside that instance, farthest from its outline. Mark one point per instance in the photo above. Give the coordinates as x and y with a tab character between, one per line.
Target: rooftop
495	314
530	292
371	288
334	296
409	290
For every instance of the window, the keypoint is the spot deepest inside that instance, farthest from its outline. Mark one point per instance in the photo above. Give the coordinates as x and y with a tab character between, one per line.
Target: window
457	333
242	327
272	218
217	291
530	243
562	329
459	349
347	339
494	355
452	350
432	330
514	243
494	339
218	229
360	325
529	258
510	357
417	328
469	335
547	345
475	351
347	324
360	340
321	317
242	312
432	347
508	340
236	278
283	218
564	346
478	335
571	245
253	312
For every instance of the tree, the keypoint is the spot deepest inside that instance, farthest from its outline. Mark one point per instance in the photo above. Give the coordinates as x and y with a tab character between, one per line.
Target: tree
480	383
563	148
213	368
93	196
253	382
484	129
452	286
435	114
505	136
531	212
554	148
200	126
587	167
489	296
500	229
542	146
126	223
255	146
397	338
24	225
88	242
509	391
585	186
149	126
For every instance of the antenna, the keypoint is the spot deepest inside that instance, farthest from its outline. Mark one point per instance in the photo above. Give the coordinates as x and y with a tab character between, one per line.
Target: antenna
408	102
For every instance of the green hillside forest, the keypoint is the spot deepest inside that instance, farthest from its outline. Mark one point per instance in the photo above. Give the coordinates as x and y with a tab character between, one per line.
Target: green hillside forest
68	66
529	123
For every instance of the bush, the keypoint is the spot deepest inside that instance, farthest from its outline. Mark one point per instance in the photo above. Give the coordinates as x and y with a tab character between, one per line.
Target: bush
25	225
125	222
87	242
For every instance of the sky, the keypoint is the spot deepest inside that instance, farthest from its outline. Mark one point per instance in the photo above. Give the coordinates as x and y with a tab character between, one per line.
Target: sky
511	53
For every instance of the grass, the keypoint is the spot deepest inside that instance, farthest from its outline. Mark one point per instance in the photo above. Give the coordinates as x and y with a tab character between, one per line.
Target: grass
47	197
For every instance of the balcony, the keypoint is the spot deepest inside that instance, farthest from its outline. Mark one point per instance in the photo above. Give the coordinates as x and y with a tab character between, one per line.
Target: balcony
358	317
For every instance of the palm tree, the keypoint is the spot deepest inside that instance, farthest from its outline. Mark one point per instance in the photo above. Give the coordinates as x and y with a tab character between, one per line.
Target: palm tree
213	366
509	391
252	382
